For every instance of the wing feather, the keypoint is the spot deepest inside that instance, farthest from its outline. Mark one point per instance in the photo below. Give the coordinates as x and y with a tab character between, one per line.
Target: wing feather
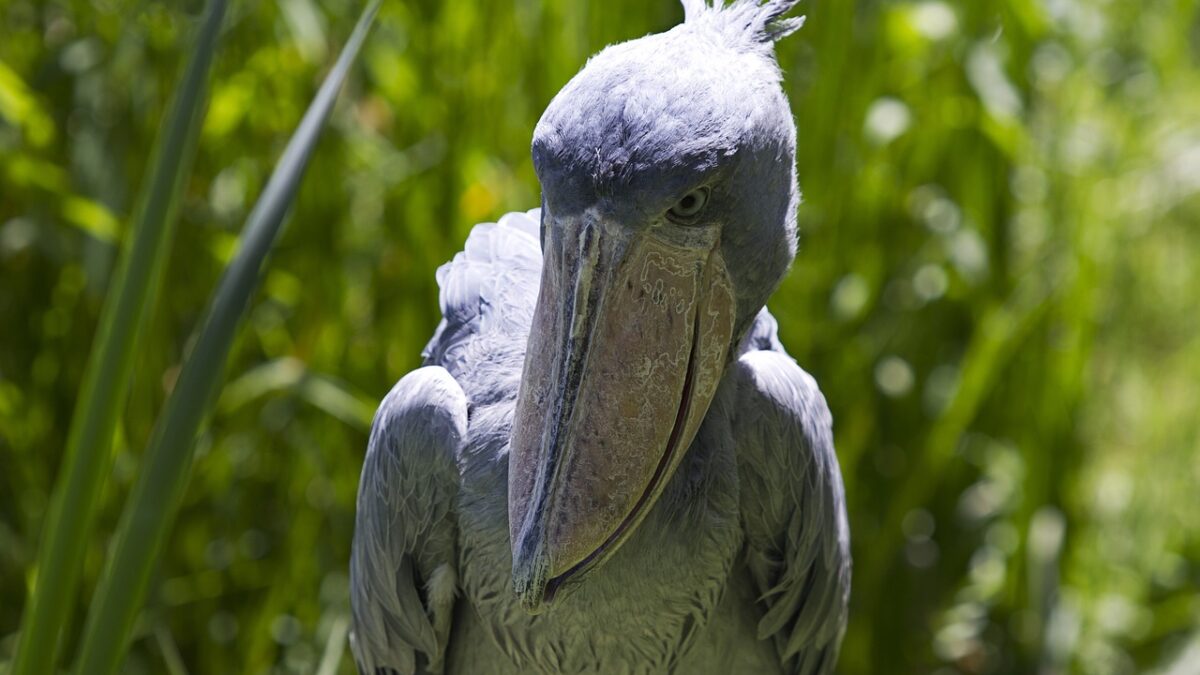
402	576
793	505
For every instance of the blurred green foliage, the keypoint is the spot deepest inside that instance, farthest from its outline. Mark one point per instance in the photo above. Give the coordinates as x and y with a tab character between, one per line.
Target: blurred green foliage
997	290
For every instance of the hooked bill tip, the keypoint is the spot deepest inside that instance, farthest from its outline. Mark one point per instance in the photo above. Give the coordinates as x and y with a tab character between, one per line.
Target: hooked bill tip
530	575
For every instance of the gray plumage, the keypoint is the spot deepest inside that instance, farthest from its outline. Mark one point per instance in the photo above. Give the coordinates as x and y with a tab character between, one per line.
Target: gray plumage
741	563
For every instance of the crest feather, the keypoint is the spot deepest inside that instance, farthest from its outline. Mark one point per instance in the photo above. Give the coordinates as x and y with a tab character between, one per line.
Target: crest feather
752	22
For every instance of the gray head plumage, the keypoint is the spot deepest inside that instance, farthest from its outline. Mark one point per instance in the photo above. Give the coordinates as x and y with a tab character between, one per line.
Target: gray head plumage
752	23
669	217
700	104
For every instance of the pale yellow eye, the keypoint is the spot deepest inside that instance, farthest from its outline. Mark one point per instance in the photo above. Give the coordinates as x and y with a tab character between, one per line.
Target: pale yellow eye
690	205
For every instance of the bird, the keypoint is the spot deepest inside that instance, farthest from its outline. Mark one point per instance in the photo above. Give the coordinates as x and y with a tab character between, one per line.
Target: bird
607	462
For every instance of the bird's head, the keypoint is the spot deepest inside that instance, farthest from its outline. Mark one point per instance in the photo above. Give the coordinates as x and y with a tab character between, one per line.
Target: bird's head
669	206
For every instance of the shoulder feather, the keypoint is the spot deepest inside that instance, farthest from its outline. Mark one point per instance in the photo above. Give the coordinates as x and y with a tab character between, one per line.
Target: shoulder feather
491	285
402	574
793	509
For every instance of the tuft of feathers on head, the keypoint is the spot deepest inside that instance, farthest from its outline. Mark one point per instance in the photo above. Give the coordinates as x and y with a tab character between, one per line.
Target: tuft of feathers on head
752	23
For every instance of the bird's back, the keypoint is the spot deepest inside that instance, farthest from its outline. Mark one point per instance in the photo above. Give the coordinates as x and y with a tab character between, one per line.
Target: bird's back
487	297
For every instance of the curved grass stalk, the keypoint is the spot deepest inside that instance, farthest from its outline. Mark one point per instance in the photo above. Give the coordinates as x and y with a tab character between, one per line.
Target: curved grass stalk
71	516
163	476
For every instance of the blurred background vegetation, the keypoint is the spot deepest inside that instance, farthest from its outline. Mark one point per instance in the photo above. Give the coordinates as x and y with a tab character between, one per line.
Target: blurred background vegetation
997	290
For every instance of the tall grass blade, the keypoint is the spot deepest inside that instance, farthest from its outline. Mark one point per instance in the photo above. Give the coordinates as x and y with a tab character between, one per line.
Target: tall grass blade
162	479
71	514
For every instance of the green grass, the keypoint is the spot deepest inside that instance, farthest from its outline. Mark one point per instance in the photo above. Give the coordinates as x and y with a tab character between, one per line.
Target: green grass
71	518
996	290
154	500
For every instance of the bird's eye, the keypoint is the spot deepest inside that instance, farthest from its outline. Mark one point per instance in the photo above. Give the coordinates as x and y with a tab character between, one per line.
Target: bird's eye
690	206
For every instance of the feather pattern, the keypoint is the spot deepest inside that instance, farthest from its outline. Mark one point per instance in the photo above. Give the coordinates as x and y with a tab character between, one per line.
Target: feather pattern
489	287
712	582
402	568
793	507
404	575
749	22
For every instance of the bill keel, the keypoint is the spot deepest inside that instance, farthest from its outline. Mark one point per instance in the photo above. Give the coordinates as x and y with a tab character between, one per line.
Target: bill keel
630	337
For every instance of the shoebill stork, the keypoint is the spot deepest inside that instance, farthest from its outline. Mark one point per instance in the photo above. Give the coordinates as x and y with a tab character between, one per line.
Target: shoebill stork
608	463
